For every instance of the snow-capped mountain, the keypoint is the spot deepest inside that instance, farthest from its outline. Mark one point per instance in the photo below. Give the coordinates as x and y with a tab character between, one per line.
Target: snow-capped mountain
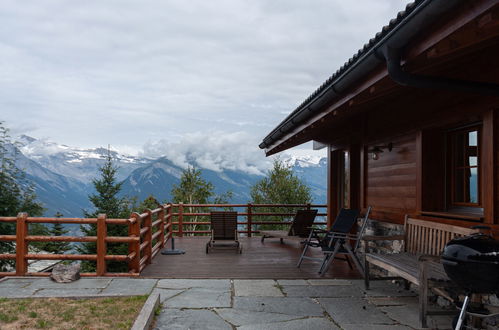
63	175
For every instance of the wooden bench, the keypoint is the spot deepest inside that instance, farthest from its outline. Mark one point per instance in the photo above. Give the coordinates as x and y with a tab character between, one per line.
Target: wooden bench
420	262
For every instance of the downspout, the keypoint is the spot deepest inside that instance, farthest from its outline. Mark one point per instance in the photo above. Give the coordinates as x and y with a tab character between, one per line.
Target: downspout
393	58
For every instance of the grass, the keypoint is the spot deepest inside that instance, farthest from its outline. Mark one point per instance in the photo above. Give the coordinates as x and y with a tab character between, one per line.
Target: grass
59	313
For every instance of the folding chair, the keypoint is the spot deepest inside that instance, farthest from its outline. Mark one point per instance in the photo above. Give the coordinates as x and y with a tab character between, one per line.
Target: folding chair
336	241
224	228
300	228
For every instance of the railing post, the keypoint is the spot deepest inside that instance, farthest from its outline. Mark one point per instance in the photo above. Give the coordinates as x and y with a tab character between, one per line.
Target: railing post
134	231
161	215
180	219
21	244
148	238
101	245
249	225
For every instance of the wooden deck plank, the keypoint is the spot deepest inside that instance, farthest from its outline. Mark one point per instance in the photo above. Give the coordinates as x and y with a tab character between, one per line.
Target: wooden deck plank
269	260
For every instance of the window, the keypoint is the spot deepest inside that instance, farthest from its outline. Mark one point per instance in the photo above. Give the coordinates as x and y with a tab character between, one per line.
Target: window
464	168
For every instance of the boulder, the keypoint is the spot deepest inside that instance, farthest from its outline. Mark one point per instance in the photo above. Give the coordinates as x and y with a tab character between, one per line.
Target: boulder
65	273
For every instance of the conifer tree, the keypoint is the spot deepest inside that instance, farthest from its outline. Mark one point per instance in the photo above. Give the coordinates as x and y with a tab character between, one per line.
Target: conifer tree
193	189
16	192
280	186
106	201
57	230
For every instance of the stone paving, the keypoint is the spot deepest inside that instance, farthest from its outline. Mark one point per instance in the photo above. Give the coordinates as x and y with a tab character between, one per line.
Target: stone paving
250	304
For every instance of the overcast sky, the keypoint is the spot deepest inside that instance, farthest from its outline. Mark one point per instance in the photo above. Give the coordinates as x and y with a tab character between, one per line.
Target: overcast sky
151	75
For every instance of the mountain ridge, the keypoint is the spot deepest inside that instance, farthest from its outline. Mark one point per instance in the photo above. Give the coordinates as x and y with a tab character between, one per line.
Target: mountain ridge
63	175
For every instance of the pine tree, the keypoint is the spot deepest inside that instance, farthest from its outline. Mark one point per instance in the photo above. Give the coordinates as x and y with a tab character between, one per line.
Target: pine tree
280	186
106	201
16	193
193	189
57	230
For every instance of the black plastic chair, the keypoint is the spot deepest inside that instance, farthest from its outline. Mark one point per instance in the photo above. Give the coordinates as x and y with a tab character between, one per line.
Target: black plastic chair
299	229
336	242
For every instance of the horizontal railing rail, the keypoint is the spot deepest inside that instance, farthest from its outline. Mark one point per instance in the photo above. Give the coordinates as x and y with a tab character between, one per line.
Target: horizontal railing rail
250	213
147	234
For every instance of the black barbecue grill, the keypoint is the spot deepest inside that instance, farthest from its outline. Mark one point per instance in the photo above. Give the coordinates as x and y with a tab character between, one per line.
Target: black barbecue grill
472	263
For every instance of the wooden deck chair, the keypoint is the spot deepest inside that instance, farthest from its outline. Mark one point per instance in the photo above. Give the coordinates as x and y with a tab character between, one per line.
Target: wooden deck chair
337	241
224	231
300	227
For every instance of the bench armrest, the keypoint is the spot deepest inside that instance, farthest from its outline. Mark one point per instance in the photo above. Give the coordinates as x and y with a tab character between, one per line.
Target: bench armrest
383	238
427	257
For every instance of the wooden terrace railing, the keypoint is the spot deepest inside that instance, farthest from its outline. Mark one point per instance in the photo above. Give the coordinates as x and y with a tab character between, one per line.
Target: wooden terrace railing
249	212
148	233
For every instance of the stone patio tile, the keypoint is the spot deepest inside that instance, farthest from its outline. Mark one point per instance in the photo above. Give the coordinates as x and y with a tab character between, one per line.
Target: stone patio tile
353	311
129	287
385	289
189	283
67	293
82	283
15	283
322	291
392	301
238	317
199	298
190	319
165	294
285	305
16	292
409	315
375	327
292	282
257	288
309	323
329	282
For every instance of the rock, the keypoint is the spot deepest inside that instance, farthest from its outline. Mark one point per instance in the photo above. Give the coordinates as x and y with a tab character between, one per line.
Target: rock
65	273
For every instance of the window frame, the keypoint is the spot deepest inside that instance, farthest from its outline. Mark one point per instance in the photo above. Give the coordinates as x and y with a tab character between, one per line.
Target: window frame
452	168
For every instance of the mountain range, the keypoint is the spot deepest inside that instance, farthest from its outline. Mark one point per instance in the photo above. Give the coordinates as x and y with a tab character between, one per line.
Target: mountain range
63	175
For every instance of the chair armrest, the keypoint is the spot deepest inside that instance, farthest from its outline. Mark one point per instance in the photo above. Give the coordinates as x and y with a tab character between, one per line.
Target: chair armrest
383	238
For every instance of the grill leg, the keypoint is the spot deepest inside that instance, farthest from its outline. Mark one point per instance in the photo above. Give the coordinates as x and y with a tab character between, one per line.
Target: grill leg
462	315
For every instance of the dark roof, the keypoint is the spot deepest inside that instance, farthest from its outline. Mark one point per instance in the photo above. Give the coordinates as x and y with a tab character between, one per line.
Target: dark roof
425	10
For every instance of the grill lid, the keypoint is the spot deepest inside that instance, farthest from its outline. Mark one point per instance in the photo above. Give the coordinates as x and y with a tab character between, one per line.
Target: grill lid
474	248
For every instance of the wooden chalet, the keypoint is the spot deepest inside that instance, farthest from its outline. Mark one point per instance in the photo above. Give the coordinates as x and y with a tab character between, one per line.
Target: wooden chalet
411	122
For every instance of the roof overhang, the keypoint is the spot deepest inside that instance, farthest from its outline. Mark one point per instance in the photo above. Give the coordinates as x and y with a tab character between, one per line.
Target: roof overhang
368	66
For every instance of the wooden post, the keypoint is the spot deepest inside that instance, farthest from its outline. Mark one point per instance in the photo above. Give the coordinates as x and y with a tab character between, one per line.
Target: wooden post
249	225
101	244
134	231
21	244
161	215
148	238
180	219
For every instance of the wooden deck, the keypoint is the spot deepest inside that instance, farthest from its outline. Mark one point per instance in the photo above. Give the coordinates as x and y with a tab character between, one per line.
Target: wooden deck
269	260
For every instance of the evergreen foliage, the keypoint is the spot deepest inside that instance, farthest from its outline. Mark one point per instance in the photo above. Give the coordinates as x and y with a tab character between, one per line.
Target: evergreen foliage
280	186
193	189
106	201
57	230
16	193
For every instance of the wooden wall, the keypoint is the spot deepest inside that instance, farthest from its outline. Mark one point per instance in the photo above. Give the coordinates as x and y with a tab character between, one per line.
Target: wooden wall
391	180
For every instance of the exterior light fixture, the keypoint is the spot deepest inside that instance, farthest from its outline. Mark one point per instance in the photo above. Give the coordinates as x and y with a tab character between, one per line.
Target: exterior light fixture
376	150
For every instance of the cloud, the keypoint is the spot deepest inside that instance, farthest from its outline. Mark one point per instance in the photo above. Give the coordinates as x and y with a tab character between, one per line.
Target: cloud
126	72
215	151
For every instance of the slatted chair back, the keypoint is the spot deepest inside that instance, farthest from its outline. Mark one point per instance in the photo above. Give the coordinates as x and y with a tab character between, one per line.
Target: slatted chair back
426	237
223	225
302	223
